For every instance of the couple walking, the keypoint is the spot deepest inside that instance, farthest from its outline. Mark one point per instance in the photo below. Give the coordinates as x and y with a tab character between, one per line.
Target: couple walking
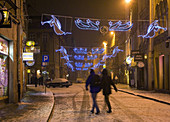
104	83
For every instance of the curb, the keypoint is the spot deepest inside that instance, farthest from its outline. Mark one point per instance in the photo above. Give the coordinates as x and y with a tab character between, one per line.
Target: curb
149	98
51	109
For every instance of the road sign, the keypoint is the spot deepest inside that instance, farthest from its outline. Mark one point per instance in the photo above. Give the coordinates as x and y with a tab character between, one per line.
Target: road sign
45	58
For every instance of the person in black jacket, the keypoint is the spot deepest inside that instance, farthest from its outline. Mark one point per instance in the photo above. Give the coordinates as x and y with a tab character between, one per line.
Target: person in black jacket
106	83
94	91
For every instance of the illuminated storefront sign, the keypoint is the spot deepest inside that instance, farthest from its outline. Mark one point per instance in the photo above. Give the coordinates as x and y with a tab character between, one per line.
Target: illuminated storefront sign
30	43
28	56
30	63
5	19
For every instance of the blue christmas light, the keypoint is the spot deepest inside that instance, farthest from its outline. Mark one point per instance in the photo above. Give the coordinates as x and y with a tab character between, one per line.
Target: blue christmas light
55	23
78	64
85	68
88	64
88	25
78	69
79	57
70	66
118	26
153	27
97	51
62	50
80	50
91	57
116	50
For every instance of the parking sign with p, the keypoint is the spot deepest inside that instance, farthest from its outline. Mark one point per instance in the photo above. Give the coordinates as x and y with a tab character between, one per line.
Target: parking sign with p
45	58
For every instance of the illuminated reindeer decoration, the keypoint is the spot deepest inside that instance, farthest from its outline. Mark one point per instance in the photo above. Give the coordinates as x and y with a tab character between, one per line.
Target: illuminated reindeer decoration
55	23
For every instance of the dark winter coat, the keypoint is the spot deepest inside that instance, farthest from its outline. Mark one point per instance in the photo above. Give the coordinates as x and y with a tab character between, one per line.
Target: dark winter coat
106	83
93	89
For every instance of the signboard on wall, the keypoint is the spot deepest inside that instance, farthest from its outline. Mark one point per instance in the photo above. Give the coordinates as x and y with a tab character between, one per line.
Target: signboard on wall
138	57
5	19
28	56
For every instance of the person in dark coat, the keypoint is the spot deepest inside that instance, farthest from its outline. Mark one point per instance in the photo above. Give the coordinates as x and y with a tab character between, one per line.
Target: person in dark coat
94	90
106	83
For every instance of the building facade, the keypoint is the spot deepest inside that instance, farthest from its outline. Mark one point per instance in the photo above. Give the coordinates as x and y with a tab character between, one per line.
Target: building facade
13	31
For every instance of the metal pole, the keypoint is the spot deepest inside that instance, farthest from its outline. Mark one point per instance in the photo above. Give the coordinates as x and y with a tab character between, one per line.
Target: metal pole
150	51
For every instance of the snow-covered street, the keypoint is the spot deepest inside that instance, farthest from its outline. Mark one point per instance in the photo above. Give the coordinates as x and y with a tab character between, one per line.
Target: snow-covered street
73	104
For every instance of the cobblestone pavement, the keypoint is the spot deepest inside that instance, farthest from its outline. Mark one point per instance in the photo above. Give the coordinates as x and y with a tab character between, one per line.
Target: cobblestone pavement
34	107
73	104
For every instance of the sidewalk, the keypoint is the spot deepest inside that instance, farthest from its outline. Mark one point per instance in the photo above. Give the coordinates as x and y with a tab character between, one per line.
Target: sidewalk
152	95
36	106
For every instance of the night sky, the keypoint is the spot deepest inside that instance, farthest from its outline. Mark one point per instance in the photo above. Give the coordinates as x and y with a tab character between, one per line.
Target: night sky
96	9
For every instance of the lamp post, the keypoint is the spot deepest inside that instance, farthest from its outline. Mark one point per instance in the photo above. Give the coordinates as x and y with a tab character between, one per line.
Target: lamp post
105	48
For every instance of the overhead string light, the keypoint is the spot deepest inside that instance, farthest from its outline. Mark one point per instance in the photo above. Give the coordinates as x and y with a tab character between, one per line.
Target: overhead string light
91	57
66	57
78	64
88	25
55	23
153	27
79	57
80	50
70	66
105	57
118	26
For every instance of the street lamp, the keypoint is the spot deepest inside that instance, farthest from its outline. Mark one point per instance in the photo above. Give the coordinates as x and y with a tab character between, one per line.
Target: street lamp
127	1
113	39
105	48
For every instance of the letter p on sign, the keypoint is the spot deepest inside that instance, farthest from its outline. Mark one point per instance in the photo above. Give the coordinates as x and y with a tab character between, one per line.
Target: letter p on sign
45	58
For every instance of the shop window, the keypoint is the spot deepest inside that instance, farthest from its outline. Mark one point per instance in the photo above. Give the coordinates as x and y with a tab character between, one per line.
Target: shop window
3	67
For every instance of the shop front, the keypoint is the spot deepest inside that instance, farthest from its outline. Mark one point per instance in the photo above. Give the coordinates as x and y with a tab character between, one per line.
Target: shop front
3	69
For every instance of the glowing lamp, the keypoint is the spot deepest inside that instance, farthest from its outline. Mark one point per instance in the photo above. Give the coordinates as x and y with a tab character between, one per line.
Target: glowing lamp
145	56
30	43
104	66
127	1
105	44
28	71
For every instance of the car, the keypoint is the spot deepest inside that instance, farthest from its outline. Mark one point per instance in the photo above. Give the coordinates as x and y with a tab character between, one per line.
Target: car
58	82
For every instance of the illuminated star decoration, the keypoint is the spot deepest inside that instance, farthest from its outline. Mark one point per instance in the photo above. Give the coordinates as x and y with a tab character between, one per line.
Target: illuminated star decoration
118	26
88	25
153	27
55	23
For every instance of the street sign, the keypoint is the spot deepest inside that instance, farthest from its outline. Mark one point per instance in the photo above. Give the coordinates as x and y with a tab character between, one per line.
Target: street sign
45	58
